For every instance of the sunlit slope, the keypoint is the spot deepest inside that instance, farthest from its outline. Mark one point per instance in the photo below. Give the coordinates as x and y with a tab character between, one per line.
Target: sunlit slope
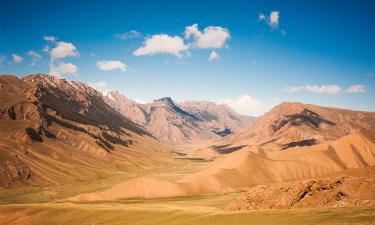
248	167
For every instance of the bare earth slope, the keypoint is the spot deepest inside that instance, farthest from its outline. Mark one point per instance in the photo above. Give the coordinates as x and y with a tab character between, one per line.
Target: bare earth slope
186	122
353	188
247	167
55	131
296	124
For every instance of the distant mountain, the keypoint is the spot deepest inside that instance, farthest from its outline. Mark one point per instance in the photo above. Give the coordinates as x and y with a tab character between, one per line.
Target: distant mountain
175	123
292	124
55	131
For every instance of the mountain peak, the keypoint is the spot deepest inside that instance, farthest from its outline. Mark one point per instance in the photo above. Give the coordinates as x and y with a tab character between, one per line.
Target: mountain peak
165	101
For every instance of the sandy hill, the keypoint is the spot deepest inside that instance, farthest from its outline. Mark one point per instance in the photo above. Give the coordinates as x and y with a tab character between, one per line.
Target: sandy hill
187	122
251	166
54	130
295	124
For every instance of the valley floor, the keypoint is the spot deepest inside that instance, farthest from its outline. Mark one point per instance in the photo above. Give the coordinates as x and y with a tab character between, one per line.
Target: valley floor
47	206
176	211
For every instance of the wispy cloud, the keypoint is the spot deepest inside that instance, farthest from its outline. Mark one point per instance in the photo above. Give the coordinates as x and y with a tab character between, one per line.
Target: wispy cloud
50	38
35	57
101	86
319	89
325	89
213	56
17	58
356	88
128	35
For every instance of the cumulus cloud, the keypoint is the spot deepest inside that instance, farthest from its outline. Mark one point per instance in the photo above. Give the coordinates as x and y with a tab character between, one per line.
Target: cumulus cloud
50	38
128	35
244	104
162	43
17	58
356	88
63	49
211	37
274	19
35	57
320	89
111	65
214	56
63	69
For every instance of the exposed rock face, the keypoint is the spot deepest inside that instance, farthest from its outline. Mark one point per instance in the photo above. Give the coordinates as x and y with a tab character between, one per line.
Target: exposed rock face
60	119
295	124
180	123
354	189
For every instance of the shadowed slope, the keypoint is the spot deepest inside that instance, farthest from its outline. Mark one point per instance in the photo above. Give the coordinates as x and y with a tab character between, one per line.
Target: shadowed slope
55	131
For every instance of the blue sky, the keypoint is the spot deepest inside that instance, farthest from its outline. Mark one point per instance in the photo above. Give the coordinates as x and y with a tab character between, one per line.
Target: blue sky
262	52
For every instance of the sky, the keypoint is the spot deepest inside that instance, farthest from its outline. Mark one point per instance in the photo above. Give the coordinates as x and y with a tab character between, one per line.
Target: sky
251	55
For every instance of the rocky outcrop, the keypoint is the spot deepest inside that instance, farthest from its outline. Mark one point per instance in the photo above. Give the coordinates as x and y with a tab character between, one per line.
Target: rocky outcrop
349	190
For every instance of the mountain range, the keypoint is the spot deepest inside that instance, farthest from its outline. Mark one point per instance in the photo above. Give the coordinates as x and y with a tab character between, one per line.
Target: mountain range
56	131
178	123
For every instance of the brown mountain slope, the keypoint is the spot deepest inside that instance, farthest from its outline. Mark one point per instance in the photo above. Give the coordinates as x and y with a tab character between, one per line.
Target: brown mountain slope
251	166
56	131
296	124
186	122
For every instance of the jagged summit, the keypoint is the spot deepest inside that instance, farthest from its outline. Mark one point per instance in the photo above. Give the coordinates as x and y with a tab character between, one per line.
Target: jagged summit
184	122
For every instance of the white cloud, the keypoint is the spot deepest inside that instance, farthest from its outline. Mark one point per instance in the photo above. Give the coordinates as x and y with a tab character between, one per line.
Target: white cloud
100	86
35	57
320	89
111	65
261	17
50	38
46	48
214	56
17	58
162	43
92	54
128	35
356	88
211	37
63	69
63	49
244	104
274	19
